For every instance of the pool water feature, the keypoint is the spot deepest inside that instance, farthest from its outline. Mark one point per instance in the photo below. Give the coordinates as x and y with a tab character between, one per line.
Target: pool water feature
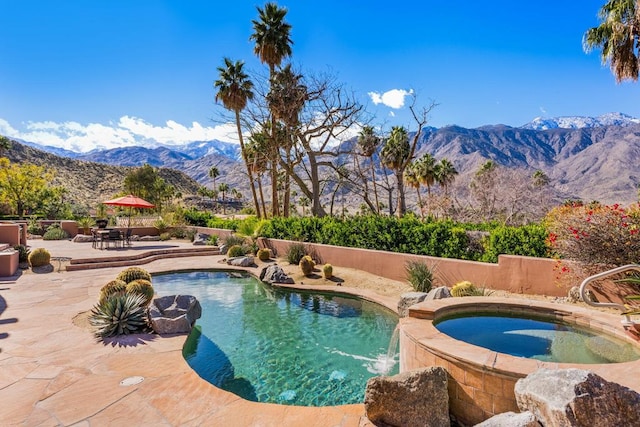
273	345
537	339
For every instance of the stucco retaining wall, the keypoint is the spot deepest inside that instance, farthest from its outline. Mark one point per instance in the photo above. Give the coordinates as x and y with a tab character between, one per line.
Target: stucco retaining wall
518	274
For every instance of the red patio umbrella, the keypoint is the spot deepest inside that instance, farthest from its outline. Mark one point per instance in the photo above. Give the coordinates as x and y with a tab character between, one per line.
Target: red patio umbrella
130	201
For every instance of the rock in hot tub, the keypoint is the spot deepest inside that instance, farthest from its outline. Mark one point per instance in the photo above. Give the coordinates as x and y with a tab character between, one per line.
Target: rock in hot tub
174	314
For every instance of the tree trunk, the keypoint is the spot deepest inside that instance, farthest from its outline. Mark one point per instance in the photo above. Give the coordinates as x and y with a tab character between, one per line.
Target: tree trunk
375	187
264	208
420	202
402	206
286	208
316	206
244	157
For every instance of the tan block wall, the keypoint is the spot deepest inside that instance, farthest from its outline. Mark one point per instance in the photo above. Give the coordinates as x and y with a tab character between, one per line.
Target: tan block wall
8	263
518	274
10	233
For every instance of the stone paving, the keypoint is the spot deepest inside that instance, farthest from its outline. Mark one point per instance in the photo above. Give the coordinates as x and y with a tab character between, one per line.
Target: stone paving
53	372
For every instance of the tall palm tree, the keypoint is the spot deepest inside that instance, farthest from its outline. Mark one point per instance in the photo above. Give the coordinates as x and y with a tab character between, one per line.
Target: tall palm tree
618	37
394	155
426	170
411	178
224	189
235	90
257	157
213	174
271	34
445	174
368	143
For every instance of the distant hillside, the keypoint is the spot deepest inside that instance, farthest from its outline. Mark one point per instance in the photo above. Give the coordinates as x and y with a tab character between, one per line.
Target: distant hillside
90	182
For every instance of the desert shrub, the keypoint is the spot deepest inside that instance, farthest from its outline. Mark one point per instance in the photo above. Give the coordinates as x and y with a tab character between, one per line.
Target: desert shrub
115	286
55	232
248	226
233	239
165	236
133	273
295	252
39	257
23	252
119	314
264	254
595	233
419	275
236	250
213	240
327	271
141	287
191	234
34	227
196	218
161	225
226	224
307	265
179	232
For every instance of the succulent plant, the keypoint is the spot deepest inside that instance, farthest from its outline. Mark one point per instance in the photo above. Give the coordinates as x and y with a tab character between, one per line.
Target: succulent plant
466	289
141	287
306	265
235	250
419	276
264	254
119	314
133	273
23	252
116	286
39	257
55	232
327	270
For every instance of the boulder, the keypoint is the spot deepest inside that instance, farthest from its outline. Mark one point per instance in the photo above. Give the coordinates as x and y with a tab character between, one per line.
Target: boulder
511	419
81	238
438	293
407	300
241	261
223	249
576	397
275	274
174	314
200	239
412	398
150	239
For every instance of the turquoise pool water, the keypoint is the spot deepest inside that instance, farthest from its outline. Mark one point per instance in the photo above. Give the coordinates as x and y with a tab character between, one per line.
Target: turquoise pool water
538	339
270	345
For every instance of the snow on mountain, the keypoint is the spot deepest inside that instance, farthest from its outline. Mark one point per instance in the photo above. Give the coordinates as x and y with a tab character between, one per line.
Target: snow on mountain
579	122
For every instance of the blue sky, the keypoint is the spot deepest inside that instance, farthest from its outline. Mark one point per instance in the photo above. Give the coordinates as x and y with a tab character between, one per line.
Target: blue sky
81	74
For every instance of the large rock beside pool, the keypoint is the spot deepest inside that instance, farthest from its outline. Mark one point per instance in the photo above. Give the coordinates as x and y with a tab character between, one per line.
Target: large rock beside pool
275	274
241	261
412	398
576	397
81	238
407	300
200	239
511	419
174	314
440	292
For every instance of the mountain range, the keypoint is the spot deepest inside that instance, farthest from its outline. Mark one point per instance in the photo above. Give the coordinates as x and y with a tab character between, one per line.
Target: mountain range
585	157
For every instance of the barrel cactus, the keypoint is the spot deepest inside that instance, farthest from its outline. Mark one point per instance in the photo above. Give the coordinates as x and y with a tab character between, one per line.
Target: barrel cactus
235	250
141	287
306	265
264	254
464	289
327	270
119	314
39	257
113	287
133	273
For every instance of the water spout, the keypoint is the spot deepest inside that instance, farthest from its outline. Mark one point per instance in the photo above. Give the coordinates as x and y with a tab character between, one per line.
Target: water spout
392	351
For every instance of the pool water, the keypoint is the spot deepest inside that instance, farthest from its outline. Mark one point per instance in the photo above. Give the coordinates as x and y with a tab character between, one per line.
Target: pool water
538	339
271	345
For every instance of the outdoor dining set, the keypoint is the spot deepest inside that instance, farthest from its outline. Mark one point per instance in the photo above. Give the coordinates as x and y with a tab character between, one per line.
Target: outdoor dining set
104	238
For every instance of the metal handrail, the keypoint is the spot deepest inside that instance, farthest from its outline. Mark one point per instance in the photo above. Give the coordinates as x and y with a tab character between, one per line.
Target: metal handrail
583	291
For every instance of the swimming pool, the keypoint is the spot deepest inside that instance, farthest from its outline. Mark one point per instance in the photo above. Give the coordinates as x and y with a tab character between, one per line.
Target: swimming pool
290	347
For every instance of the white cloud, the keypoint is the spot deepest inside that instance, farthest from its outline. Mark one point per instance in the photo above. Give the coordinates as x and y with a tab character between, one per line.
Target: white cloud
127	131
542	110
393	98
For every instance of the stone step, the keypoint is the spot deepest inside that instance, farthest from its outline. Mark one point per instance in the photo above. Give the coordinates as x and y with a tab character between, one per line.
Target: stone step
127	256
145	258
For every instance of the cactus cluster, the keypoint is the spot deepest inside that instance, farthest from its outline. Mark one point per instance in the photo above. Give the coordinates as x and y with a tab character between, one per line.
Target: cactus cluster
116	286
327	270
264	254
141	287
307	265
39	257
466	289
133	273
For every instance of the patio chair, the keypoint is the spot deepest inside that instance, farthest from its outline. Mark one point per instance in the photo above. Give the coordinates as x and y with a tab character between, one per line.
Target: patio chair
114	236
97	240
127	236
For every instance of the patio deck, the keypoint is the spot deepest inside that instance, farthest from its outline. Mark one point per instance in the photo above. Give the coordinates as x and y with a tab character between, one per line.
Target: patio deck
53	372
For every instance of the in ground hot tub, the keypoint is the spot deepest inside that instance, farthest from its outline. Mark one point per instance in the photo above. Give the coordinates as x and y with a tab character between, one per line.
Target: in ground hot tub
482	374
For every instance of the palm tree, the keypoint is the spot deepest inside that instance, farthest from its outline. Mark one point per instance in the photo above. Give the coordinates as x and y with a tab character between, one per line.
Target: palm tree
223	188
618	37
235	90
368	142
394	155
271	34
213	174
412	179
257	157
426	166
5	144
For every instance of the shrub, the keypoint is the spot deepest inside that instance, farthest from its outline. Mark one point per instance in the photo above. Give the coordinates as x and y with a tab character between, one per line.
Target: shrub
130	274
39	257
86	223
527	240
161	225
327	271
213	240
34	227
419	276
233	240
165	236
236	250
191	234
295	252
119	314
179	232
23	253
113	287
264	254
55	232
141	287
467	289
307	265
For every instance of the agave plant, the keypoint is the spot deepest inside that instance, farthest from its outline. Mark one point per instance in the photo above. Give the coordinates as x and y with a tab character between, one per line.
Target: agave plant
119	314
